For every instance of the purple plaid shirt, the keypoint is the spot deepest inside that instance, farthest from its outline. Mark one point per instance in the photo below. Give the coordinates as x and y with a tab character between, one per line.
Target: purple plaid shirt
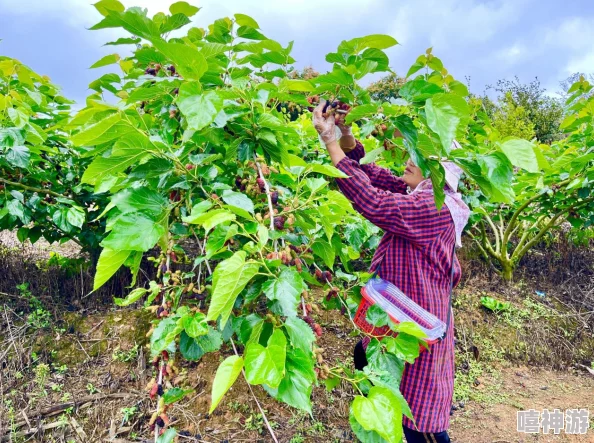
415	255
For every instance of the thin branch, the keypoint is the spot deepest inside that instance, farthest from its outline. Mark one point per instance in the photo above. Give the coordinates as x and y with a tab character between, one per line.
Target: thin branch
255	398
268	195
495	232
519	254
31	188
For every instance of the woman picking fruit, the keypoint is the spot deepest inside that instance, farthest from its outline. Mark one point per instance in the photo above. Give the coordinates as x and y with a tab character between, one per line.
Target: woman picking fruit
415	254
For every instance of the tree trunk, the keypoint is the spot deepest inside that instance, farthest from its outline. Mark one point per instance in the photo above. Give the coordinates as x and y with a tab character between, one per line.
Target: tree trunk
507	271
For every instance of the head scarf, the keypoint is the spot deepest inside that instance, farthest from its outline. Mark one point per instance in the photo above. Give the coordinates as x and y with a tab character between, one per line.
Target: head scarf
453	200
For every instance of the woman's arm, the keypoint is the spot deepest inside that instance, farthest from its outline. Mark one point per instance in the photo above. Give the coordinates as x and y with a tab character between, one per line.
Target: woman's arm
380	177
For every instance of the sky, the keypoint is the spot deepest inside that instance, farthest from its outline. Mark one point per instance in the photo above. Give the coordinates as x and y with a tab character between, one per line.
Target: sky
479	41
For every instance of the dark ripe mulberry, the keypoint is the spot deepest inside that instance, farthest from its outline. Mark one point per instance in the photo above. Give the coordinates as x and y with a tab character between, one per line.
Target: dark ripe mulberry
261	184
171	69
327	276
150	71
176	91
160	389
159	311
319	275
310	321
279	222
238	183
159	422
274	197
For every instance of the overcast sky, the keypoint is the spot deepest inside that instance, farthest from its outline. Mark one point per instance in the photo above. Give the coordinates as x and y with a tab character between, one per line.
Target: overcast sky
484	40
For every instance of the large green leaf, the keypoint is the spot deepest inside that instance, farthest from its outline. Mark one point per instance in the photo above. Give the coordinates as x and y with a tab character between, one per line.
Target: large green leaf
109	262
227	373
266	365
445	114
210	219
325	251
297	384
520	153
419	90
188	61
133	232
183	8
140	199
246	20
371	413
18	156
195	324
361	111
238	200
132	297
195	348
199	107
286	290
133	20
374	41
301	335
107	60
229	279
89	134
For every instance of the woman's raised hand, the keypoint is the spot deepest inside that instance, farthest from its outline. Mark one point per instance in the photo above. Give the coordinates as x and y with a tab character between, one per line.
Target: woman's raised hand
324	123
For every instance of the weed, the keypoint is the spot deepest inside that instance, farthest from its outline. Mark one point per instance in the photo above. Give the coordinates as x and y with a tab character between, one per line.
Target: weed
92	389
39	317
125	356
128	413
297	438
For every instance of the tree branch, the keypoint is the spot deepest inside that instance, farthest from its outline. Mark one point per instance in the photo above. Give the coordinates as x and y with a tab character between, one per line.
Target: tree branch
268	195
519	254
31	188
495	232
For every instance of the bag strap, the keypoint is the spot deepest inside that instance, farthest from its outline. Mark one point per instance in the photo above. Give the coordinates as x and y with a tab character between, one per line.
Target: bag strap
450	295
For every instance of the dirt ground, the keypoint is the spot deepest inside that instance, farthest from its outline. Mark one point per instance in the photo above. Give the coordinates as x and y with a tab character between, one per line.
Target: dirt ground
94	365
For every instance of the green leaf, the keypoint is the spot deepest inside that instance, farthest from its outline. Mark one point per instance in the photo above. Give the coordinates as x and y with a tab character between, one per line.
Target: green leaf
327	170
246	20
188	61
200	108
133	232
133	20
194	348
140	199
376	316
296	85
132	297
105	6
445	114
371	412
18	117
300	334
75	216
297	384
286	290
520	153
163	337
107	60
183	8
18	156
410	328
168	436
459	88
375	41
238	200
404	346
210	219
89	134
419	90
361	111
197	210
227	373
109	262
175	394
195	324
266	365
325	251
229	279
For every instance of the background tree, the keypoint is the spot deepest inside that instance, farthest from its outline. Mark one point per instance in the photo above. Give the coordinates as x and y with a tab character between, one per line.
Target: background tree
386	88
531	102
